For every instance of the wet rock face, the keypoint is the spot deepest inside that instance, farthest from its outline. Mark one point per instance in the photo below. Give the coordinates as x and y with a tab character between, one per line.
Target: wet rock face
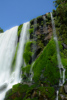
64	46
63	92
65	88
41	35
3	87
63	97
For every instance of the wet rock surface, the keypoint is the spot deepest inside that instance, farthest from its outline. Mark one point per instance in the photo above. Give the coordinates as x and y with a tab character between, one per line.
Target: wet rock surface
64	46
65	88
63	92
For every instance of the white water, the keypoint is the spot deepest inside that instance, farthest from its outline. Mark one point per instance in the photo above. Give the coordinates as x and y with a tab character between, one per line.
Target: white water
57	95
19	59
61	68
31	71
8	43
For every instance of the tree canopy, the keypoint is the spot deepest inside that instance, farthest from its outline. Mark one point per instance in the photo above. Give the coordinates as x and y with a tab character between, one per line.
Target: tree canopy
61	12
1	30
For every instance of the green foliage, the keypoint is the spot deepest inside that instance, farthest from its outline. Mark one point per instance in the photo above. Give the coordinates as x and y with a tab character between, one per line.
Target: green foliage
54	12
40	44
16	92
19	29
61	24
26	69
48	16
42	23
58	2
25	92
39	17
48	19
31	30
48	91
61	19
46	65
27	52
32	21
57	24
26	73
1	30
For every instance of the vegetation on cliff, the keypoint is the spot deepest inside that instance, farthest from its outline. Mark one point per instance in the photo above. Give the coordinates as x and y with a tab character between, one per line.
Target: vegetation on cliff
45	67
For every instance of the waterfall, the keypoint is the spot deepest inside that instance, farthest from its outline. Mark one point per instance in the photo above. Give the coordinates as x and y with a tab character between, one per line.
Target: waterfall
57	95
8	43
60	66
19	59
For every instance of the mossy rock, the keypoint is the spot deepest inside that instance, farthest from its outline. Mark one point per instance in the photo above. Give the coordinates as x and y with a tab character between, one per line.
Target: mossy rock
27	52
47	61
19	30
33	92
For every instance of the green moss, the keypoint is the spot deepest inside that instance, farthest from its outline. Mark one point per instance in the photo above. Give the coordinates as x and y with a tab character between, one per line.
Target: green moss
39	17
40	43
27	52
63	54
25	92
14	59
48	16
42	23
48	19
31	30
19	29
46	65
26	69
17	92
57	24
48	92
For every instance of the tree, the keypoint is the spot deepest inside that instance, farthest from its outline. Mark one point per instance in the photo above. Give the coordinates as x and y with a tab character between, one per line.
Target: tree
61	12
1	30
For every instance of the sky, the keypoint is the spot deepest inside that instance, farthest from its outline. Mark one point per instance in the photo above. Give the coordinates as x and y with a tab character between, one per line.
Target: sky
15	12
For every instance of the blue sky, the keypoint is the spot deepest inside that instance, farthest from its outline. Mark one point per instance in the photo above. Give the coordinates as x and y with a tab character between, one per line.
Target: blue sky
16	12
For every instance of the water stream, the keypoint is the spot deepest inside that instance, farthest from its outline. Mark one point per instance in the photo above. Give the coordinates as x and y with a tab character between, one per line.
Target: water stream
22	42
60	66
8	43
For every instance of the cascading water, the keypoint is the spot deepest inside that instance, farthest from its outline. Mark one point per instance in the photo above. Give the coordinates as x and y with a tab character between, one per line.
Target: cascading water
20	50
61	68
8	43
57	92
